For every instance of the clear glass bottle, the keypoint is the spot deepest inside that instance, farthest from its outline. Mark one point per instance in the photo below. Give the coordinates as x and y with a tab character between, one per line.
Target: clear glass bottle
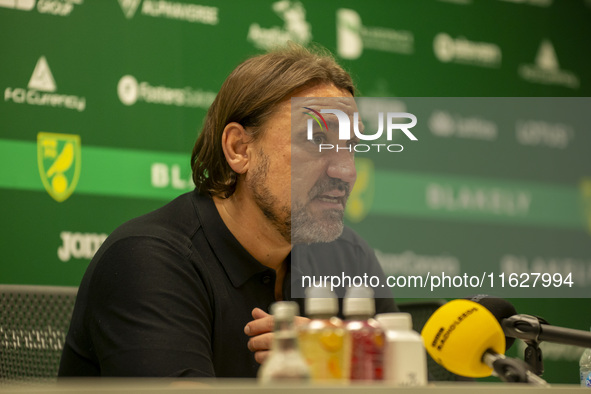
285	362
324	341
585	368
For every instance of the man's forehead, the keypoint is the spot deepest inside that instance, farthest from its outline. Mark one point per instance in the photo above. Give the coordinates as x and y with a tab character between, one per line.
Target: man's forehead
346	104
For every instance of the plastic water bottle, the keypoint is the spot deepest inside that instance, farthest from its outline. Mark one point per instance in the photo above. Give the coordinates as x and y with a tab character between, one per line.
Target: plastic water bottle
585	368
367	337
324	341
285	363
405	362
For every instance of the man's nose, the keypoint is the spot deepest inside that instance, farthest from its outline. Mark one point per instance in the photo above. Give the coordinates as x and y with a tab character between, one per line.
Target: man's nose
342	165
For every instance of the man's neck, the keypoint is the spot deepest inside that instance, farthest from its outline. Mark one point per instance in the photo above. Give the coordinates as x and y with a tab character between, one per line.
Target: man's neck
253	230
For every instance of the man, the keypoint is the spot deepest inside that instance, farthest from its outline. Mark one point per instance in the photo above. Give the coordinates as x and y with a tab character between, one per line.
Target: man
173	293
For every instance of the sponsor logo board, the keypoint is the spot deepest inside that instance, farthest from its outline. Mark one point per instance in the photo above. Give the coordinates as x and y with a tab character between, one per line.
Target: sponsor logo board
353	37
446	124
488	200
79	245
295	27
537	3
130	92
546	70
42	91
51	7
533	132
461	50
174	10
59	162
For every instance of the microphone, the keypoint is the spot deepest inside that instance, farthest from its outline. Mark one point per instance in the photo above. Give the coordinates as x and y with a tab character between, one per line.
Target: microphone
466	338
530	328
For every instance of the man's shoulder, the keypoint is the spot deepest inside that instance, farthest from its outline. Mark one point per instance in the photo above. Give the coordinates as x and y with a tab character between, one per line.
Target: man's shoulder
175	223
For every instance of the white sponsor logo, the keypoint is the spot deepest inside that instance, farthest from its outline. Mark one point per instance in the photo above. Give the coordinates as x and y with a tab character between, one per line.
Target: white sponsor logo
42	79
538	3
445	124
25	5
130	91
40	91
52	7
295	27
540	133
353	37
460	2
580	268
129	7
193	13
410	263
489	200
165	176
463	51
546	69
79	245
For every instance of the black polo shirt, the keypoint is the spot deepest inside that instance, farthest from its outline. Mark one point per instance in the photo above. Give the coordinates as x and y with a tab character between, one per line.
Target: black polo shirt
169	294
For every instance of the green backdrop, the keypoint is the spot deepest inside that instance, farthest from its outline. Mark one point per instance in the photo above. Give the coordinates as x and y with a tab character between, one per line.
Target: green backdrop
103	99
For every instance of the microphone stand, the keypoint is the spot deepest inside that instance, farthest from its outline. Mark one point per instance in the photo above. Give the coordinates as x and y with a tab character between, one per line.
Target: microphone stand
534	330
511	369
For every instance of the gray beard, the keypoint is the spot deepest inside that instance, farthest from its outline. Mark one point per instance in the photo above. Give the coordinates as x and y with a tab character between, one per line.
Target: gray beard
295	224
309	229
325	227
280	217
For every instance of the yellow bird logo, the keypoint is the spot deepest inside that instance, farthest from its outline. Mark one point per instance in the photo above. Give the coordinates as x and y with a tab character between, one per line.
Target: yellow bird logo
64	171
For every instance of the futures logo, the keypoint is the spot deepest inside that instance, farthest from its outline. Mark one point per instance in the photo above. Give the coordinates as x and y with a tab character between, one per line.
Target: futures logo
345	129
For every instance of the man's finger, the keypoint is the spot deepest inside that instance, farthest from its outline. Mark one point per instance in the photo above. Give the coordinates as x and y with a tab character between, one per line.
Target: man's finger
261	356
258	313
300	321
260	342
259	326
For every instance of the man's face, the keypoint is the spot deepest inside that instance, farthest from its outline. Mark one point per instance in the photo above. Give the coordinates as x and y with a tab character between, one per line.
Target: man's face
300	190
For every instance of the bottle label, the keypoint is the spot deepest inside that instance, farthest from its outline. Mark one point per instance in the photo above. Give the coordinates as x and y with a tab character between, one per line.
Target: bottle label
586	379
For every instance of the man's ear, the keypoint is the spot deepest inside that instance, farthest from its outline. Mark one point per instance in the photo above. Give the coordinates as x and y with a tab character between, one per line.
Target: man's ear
235	143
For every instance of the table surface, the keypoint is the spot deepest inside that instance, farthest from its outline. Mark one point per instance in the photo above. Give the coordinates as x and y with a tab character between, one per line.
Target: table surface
232	386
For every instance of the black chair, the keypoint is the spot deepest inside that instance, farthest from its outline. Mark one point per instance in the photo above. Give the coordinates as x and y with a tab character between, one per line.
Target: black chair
421	311
34	321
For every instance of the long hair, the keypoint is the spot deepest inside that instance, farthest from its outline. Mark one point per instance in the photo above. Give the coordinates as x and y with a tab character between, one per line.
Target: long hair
248	97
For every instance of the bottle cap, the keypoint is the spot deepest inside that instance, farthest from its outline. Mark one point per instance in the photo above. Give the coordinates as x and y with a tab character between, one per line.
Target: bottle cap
395	321
359	301
284	310
321	301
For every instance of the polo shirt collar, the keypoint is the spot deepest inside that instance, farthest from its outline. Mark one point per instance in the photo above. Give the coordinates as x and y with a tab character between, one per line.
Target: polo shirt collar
239	265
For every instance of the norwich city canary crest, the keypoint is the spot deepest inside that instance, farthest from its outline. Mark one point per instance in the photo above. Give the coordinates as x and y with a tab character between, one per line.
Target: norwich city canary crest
58	157
361	197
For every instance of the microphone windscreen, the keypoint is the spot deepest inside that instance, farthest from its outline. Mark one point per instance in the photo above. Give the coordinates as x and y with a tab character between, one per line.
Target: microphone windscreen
500	308
459	333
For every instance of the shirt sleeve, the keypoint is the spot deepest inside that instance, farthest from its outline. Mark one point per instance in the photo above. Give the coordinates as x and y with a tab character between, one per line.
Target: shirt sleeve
149	313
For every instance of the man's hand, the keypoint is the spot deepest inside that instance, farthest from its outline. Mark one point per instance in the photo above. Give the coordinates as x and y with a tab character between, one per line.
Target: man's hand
260	331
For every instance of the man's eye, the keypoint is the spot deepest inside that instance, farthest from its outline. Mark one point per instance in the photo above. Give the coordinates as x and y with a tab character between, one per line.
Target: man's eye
319	138
353	143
